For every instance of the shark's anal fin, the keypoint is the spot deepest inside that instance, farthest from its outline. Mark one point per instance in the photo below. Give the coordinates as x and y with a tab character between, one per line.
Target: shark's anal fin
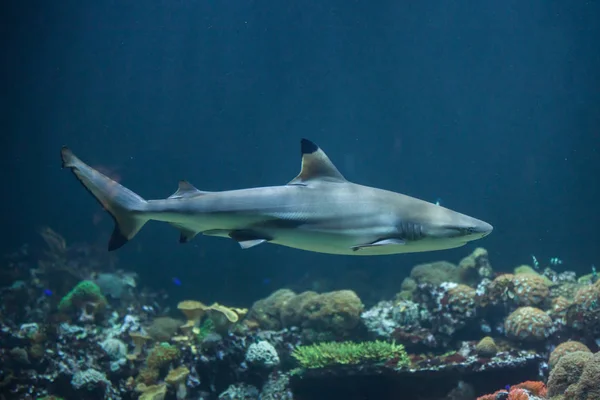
315	166
186	234
185	190
381	242
248	238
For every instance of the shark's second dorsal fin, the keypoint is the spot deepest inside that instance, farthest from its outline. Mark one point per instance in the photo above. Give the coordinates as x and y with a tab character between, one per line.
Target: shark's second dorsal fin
316	165
185	191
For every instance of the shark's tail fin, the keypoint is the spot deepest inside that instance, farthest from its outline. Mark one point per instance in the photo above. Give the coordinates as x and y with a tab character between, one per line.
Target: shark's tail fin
124	206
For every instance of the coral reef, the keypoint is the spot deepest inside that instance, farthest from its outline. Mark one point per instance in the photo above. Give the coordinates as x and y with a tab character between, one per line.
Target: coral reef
453	331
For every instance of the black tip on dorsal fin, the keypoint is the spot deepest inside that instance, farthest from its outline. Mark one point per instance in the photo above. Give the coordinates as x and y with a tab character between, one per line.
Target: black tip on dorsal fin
315	166
307	147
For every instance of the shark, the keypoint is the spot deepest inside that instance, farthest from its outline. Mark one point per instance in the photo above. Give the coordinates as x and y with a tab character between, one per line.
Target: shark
318	211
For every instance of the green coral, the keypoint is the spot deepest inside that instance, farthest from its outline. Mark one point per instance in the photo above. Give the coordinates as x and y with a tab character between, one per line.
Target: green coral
343	353
206	328
84	292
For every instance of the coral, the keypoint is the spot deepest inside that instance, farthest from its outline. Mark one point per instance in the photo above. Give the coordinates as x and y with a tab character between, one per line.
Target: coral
435	273
277	387
565	348
567	371
162	355
153	392
88	379
565	289
334	353
518	394
262	354
530	289
499	291
291	311
163	328
334	312
528	324
193	311
267	312
475	266
176	377
139	339
559	308
115	348
408	285
536	388
224	317
588	386
385	317
522	391
240	391
461	300
500	394
486	347
84	296
147	376
585	312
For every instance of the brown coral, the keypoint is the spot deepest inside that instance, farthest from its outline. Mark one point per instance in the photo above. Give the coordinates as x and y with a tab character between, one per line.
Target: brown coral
291	313
559	308
585	313
528	324
267	312
567	371
486	347
334	312
475	266
461	300
588	386
530	289
500	290
435	273
565	348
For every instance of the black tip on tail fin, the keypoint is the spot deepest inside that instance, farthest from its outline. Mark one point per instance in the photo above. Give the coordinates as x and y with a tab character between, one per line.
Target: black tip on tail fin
307	147
117	239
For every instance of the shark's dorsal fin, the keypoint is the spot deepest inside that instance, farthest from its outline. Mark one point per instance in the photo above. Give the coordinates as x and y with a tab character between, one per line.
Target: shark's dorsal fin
186	190
315	166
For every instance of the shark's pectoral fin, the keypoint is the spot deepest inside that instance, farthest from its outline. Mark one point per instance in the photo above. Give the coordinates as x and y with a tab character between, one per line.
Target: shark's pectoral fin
381	242
186	234
185	191
315	166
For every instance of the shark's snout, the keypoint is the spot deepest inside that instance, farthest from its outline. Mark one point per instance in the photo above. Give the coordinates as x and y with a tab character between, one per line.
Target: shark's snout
483	228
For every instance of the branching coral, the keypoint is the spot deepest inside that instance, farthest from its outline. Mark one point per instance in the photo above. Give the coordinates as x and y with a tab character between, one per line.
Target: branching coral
333	353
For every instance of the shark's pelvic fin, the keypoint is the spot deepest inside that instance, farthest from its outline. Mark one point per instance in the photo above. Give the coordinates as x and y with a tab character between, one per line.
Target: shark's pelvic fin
186	234
315	166
185	191
248	238
382	242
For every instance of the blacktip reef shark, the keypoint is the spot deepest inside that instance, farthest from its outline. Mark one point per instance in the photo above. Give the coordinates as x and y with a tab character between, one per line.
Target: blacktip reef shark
319	211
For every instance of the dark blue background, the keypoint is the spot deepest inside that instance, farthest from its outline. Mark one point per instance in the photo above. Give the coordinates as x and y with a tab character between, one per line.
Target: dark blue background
492	106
